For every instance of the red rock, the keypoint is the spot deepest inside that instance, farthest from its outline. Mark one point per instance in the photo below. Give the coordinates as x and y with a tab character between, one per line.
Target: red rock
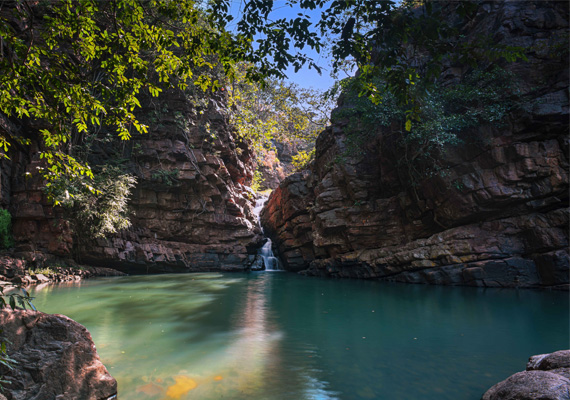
202	209
56	359
497	217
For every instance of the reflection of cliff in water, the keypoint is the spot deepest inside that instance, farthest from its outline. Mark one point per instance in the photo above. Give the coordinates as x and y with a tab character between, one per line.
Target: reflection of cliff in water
258	352
200	336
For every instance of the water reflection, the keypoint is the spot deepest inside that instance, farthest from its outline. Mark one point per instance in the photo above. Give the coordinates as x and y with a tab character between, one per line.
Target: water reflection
268	336
261	355
257	338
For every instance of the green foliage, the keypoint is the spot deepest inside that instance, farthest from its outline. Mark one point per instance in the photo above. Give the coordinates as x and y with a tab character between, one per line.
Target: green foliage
482	97
5	361
43	271
257	180
6	238
165	177
103	209
416	40
18	297
302	159
275	110
364	118
78	65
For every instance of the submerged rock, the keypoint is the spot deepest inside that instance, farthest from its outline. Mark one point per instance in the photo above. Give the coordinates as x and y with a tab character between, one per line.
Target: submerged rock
56	359
547	377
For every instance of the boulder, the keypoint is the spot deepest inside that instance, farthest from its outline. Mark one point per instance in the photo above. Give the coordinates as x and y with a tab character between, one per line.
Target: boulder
40	278
547	377
56	359
546	362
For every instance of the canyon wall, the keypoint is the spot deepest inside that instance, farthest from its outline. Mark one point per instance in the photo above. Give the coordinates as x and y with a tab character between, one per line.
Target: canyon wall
496	216
191	209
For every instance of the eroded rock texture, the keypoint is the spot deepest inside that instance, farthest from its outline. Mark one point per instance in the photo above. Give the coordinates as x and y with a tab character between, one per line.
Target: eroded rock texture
498	216
56	359
191	208
547	376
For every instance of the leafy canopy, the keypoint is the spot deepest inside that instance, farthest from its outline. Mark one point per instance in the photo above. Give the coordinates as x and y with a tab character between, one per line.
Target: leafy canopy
406	42
73	66
276	110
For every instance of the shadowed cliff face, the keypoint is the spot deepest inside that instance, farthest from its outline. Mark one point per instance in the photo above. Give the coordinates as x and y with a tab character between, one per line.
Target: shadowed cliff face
498	216
191	208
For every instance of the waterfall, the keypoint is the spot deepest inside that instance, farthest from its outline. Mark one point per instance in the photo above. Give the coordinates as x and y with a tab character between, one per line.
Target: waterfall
270	262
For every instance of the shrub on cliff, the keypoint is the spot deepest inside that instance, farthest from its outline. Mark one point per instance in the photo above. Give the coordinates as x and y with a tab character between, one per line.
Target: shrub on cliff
101	209
481	97
6	238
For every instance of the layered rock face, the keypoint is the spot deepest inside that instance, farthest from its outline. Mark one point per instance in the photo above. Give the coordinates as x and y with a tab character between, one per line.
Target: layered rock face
497	216
56	359
191	208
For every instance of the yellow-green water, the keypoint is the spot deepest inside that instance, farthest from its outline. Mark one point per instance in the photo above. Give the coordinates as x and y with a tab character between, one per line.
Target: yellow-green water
281	336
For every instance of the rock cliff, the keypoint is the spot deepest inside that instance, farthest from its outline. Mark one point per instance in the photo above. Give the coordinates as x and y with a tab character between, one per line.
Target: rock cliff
191	208
277	164
497	215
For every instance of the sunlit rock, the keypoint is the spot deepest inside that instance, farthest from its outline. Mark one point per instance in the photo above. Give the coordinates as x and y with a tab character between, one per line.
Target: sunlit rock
56	359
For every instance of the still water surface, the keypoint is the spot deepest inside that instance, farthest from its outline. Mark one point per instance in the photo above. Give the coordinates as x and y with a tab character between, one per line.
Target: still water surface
280	336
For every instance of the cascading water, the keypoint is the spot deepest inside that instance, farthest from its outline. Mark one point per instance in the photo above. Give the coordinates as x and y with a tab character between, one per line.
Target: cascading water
270	262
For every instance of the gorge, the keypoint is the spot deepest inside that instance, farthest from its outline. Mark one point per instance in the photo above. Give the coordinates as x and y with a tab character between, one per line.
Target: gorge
494	214
449	222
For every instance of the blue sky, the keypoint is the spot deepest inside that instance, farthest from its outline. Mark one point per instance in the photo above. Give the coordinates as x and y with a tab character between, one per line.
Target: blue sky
305	77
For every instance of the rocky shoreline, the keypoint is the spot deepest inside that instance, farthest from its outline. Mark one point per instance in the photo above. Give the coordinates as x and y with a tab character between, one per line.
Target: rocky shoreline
14	271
